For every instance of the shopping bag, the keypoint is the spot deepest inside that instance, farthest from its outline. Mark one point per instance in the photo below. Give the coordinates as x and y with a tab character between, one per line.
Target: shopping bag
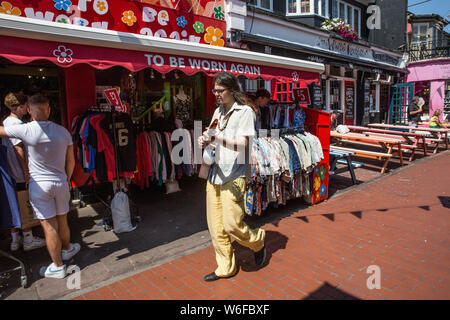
26	211
204	171
120	209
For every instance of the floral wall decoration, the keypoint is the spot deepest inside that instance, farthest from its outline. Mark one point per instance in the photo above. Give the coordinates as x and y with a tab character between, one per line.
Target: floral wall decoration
200	21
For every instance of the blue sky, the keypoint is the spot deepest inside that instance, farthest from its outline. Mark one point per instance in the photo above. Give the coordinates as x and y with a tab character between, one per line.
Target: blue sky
440	7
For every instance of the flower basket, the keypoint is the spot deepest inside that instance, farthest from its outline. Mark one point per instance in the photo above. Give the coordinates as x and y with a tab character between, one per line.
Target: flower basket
340	28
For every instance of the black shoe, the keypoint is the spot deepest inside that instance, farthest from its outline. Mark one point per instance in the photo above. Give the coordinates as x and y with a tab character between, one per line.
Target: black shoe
211	277
260	256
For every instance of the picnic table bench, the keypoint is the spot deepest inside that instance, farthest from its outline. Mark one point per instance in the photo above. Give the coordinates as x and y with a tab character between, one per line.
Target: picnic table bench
443	131
413	140
343	156
386	143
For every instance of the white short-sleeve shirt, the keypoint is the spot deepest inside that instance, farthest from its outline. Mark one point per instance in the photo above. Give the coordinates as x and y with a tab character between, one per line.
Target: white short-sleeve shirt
46	144
231	164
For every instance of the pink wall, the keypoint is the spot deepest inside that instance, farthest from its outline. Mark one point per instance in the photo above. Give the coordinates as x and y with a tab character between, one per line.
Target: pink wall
428	71
437	96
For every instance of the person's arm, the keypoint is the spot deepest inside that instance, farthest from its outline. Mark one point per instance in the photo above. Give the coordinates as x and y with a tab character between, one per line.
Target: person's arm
20	154
70	162
420	110
3	133
239	143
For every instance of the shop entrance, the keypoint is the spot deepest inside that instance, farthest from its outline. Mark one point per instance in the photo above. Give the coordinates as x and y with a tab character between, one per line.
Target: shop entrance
30	79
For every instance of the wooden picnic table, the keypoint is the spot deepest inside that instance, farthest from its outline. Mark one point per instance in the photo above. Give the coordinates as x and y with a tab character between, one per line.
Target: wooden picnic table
413	139
336	156
443	131
387	143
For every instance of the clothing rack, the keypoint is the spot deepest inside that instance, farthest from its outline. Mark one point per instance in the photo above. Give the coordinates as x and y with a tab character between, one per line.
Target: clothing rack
107	219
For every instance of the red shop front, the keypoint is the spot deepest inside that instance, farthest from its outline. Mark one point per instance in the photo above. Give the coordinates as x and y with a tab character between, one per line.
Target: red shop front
149	73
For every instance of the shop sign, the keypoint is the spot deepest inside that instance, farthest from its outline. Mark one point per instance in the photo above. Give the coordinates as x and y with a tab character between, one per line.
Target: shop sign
199	21
385	58
206	65
316	94
349	101
301	95
114	99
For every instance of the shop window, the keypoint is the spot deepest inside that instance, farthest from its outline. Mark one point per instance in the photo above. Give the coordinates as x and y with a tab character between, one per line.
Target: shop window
373	103
335	71
254	85
284	91
348	73
298	7
335	95
446	110
262	4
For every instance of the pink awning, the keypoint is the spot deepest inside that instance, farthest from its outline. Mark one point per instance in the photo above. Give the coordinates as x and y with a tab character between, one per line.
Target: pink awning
65	55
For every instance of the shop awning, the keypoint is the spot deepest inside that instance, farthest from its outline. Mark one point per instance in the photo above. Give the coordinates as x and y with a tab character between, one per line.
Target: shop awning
26	40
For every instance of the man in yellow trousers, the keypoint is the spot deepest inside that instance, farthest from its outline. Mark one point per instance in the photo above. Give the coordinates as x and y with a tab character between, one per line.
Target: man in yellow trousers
234	121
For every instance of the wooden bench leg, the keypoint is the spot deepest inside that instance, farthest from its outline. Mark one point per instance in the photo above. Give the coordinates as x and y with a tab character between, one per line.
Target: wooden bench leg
400	153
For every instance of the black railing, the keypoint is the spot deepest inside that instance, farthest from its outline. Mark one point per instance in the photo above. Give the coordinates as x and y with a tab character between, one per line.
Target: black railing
428	50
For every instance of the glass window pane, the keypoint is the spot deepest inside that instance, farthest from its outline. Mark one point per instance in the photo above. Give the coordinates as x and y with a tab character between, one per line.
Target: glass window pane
350	16
305	6
265	4
292	6
356	17
341	10
334	9
323	11
316	6
253	2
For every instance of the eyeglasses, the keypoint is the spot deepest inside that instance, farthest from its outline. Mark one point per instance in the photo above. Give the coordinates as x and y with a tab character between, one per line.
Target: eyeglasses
219	91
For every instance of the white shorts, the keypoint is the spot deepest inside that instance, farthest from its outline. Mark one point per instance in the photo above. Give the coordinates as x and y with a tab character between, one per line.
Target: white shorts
49	198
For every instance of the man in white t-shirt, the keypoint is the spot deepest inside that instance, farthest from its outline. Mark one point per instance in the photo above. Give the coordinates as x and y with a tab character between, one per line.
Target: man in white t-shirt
50	162
17	103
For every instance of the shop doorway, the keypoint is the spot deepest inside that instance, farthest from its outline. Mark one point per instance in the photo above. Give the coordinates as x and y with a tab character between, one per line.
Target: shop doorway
401	97
31	79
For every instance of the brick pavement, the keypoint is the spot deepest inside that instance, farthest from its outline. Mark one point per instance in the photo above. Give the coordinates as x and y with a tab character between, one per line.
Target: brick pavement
398	222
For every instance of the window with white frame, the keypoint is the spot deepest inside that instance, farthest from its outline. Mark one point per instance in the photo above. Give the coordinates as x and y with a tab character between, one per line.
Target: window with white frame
299	7
347	12
262	4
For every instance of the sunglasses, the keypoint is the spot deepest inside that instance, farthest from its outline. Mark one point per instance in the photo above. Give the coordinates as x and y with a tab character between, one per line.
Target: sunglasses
219	91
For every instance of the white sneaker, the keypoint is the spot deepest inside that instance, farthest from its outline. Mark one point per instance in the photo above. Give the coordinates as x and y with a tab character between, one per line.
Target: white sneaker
35	243
53	271
15	245
68	254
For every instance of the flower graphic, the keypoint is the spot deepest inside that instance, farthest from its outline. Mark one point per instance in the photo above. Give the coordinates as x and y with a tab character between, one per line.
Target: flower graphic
317	183
101	6
214	37
199	27
7	8
62	4
317	196
295	76
62	20
218	13
323	190
181	21
129	18
163	15
322	172
63	54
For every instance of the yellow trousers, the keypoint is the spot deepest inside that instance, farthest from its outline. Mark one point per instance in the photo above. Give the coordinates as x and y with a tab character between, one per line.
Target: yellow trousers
225	214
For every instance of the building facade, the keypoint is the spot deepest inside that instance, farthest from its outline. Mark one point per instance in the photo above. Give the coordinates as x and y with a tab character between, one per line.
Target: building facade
359	70
429	61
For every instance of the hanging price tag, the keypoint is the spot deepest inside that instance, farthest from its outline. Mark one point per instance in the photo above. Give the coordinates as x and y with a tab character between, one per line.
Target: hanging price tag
114	99
301	95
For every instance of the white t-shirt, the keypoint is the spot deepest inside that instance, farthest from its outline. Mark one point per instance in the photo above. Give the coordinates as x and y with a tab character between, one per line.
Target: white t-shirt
47	144
14	166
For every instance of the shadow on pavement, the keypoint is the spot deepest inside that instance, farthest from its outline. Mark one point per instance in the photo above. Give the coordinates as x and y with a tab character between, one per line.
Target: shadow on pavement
328	292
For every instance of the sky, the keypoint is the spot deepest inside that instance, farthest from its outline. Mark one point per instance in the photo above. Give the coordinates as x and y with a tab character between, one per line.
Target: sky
440	7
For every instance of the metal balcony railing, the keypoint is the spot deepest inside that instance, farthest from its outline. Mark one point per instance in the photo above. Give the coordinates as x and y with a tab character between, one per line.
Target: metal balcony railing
428	50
